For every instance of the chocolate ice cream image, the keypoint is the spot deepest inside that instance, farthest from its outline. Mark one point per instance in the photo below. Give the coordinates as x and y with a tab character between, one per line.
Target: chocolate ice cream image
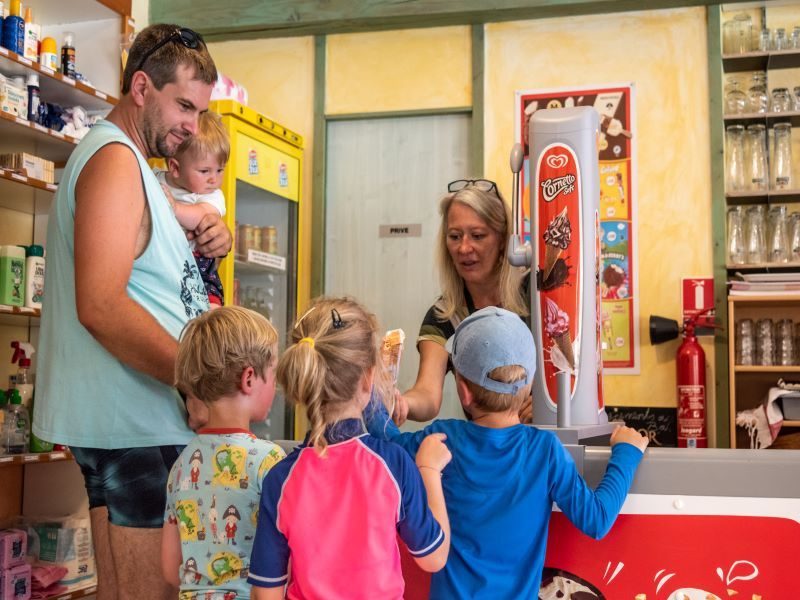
557	237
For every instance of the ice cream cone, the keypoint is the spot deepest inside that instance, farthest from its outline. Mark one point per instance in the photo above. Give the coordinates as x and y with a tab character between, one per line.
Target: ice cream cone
551	254
564	343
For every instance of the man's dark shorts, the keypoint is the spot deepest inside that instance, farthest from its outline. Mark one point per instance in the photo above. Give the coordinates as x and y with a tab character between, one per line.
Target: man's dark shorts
130	482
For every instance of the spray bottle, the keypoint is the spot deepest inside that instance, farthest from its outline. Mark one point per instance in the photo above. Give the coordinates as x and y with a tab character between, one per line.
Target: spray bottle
23	381
16	427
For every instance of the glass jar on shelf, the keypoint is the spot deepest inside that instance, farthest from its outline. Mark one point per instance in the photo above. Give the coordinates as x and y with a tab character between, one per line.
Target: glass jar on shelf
781	100
737	34
782	157
736	249
765	343
736	102
756	151
755	235
778	231
744	342
757	97
734	158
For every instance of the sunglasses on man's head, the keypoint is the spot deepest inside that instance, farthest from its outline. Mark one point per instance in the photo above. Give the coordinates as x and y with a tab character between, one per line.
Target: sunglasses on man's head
483	185
183	35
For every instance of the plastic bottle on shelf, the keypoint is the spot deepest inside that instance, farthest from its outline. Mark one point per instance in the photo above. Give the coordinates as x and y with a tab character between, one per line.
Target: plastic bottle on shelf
68	55
33	33
23	381
33	96
48	54
12	275
14	28
34	276
16	426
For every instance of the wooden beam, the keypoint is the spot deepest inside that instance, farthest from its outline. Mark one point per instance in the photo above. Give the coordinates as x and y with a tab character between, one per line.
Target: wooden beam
247	19
718	226
478	101
318	174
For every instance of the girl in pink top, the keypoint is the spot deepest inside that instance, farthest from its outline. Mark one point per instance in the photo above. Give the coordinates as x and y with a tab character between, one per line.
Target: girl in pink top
332	511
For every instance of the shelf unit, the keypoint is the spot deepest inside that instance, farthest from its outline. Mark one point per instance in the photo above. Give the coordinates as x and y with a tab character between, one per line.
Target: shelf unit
748	384
28	479
739	387
7	460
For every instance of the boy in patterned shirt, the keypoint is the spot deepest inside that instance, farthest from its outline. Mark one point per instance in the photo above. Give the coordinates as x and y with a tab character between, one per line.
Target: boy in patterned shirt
226	359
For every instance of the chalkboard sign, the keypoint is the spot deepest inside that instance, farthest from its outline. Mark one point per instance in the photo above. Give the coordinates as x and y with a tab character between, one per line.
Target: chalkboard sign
660	425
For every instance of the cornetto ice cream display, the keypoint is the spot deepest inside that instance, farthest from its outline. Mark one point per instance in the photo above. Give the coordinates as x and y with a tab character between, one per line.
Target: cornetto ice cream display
565	194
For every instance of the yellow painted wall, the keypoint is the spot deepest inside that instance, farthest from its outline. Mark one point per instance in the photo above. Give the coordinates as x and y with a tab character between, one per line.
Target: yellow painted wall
664	54
279	77
399	70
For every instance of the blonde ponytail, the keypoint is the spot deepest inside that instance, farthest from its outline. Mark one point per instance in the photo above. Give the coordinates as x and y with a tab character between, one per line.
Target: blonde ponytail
335	343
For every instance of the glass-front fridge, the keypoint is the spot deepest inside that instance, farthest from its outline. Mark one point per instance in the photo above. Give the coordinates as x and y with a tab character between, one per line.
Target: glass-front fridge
262	195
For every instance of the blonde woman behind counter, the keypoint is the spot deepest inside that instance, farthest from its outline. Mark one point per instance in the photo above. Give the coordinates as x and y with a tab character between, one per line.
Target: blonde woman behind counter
474	273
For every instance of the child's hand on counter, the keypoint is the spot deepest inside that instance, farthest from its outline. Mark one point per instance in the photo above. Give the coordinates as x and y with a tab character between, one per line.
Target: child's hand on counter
626	435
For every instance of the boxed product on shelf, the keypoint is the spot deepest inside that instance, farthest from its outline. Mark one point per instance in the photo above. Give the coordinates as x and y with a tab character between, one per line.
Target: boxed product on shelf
30	165
13	548
16	583
13	98
64	542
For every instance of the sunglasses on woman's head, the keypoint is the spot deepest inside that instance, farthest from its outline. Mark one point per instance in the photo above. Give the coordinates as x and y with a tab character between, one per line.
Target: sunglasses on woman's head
183	35
483	185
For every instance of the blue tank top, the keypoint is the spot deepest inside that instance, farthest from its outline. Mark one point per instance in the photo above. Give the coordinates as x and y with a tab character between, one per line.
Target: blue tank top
85	396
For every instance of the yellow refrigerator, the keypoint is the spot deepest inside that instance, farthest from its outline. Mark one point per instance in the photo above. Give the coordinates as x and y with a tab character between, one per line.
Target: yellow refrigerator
262	195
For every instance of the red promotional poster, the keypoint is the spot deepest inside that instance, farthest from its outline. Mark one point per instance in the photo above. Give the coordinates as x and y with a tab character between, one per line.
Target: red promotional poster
558	215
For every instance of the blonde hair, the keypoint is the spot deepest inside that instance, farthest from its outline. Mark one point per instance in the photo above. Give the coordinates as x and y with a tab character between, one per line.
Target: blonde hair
490	401
216	348
494	211
335	343
211	139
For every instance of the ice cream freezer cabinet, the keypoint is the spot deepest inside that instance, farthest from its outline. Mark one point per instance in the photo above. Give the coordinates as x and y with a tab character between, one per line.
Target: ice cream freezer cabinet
262	187
698	524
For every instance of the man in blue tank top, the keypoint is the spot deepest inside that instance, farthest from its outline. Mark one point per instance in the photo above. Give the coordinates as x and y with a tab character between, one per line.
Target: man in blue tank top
121	284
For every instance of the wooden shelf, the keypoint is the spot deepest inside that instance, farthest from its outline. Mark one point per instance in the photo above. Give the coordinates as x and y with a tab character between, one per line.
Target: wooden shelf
765	197
769	119
82	593
760	61
788	266
29	181
50	144
791	423
765	369
7	460
55	87
765	298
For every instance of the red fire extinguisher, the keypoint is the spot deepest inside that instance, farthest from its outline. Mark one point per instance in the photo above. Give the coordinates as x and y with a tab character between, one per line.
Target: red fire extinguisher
691	366
691	390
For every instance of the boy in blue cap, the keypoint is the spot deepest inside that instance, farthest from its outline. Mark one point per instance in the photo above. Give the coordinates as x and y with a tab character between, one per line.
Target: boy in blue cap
505	476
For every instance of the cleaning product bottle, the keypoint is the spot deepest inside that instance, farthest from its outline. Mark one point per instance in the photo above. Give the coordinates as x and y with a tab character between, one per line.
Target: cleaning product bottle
33	33
24	380
48	54
34	274
17	426
33	96
12	275
14	28
68	55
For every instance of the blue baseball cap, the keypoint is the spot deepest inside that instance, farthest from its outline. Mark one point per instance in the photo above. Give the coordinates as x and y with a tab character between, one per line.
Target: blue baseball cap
490	338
